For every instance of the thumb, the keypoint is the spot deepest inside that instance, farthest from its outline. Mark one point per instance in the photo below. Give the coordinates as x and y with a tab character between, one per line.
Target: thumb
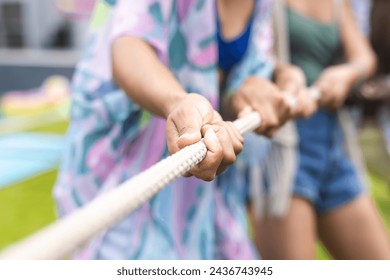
190	125
189	135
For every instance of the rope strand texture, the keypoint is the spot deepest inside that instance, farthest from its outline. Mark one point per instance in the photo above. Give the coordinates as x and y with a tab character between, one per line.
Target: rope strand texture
65	236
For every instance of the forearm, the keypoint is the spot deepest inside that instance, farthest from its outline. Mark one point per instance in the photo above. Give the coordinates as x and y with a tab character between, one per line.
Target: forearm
139	72
360	57
360	67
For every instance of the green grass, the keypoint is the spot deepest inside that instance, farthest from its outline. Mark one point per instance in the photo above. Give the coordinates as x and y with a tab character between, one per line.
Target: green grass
381	194
59	128
321	253
26	207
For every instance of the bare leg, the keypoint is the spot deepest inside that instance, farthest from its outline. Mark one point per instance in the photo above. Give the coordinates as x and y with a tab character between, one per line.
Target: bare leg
289	237
354	231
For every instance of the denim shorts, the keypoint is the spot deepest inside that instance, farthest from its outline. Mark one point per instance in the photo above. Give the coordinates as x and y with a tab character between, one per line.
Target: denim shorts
325	177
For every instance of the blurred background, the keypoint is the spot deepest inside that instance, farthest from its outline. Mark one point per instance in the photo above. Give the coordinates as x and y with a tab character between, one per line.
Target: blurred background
40	44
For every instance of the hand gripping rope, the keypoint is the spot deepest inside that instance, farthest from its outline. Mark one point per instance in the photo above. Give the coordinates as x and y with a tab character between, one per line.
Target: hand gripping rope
67	235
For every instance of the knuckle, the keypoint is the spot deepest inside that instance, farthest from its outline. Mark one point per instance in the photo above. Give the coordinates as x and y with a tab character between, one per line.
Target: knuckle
209	176
273	121
283	103
230	158
218	153
238	148
212	161
229	124
223	129
290	112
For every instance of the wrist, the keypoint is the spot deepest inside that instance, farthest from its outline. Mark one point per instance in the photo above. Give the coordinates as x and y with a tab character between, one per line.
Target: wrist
171	102
359	72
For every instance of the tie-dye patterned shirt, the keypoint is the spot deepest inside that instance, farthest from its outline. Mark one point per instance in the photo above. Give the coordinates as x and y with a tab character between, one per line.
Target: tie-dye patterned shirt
111	138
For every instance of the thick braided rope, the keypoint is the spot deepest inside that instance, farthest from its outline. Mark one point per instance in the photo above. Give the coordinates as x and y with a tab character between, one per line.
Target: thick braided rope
65	236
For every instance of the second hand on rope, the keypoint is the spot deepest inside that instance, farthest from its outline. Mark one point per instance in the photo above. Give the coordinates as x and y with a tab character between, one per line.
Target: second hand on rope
65	236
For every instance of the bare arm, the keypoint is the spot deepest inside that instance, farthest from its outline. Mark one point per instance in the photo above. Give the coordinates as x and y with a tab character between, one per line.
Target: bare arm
137	70
336	82
356	47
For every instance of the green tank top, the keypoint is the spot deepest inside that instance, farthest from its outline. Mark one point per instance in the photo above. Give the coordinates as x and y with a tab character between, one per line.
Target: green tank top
313	45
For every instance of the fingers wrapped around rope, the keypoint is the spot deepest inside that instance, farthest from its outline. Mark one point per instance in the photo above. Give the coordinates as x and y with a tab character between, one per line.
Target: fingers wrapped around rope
261	96
194	118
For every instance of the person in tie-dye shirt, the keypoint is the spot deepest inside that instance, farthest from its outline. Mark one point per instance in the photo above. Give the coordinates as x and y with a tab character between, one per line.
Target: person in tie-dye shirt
142	59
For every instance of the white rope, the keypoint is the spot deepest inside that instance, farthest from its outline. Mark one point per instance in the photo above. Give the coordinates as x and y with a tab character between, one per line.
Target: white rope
65	236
